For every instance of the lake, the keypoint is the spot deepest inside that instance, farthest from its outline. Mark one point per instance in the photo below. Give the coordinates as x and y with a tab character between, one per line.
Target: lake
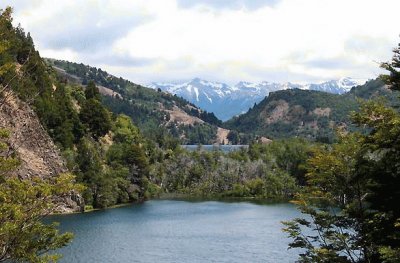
210	147
180	231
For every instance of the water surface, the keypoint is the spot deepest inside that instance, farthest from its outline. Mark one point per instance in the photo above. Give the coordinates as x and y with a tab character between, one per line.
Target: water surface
211	147
180	231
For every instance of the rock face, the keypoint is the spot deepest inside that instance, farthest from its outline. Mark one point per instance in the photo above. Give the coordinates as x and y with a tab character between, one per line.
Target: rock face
38	155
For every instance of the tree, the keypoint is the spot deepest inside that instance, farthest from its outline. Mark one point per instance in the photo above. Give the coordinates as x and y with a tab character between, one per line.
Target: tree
96	118
378	163
92	92
233	137
23	205
393	79
6	65
353	189
334	202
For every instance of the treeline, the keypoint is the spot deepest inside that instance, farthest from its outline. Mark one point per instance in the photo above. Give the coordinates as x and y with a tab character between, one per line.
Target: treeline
145	105
261	171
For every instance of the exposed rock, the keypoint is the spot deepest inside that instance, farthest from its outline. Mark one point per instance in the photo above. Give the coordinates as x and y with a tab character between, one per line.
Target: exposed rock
178	116
281	109
322	112
38	155
222	136
264	140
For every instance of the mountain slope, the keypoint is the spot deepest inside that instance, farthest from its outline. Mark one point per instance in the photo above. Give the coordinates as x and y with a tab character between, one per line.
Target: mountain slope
25	87
35	149
226	101
154	112
305	113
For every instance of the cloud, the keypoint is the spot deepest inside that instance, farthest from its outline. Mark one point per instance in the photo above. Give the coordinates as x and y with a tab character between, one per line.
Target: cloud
119	60
252	40
78	25
228	4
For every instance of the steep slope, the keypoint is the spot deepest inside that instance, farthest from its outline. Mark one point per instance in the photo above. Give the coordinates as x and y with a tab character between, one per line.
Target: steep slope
152	110
35	149
305	113
26	86
226	101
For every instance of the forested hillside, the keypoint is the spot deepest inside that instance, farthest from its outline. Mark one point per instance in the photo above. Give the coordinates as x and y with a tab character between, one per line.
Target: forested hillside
109	154
156	113
62	135
305	113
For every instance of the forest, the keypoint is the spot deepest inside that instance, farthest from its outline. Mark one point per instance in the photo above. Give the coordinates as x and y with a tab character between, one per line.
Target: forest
116	152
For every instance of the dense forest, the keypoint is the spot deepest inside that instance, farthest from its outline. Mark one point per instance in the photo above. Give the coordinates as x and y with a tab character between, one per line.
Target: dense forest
118	150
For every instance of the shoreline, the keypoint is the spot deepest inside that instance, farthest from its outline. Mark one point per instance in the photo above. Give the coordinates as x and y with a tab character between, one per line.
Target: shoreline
189	198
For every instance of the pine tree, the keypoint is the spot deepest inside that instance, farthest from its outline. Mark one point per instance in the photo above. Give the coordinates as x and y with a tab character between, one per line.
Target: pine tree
92	92
393	79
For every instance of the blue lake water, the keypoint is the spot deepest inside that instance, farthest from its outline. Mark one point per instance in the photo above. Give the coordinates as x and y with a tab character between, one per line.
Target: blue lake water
224	148
180	231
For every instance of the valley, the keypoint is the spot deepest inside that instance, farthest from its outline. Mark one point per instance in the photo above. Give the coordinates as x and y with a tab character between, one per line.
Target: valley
195	171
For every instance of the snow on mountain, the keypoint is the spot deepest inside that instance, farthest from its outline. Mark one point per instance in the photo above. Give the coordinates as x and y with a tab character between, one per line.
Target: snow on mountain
227	101
340	86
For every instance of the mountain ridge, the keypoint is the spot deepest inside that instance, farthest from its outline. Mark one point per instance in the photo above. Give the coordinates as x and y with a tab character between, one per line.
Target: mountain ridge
227	101
151	110
307	113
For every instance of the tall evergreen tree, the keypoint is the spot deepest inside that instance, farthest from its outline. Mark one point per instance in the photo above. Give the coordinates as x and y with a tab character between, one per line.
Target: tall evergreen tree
92	92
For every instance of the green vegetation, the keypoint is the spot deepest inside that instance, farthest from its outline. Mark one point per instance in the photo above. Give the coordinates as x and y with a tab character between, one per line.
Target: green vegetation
147	107
349	188
25	201
309	114
262	171
352	191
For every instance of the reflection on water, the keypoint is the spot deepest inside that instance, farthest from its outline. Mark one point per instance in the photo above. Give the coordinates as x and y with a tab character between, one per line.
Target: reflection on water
180	231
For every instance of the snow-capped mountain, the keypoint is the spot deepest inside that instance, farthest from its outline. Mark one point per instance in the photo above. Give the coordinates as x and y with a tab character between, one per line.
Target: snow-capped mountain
227	101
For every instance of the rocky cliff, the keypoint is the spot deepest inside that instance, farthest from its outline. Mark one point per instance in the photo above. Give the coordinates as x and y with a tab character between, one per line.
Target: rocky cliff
29	140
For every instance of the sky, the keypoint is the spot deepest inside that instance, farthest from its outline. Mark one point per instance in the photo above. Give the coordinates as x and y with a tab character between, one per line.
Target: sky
218	40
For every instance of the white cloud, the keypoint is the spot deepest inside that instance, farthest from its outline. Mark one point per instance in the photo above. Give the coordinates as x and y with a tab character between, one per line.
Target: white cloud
156	40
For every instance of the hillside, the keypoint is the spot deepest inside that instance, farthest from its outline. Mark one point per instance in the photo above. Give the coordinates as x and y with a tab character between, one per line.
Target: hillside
55	134
38	155
153	111
25	88
306	113
226	101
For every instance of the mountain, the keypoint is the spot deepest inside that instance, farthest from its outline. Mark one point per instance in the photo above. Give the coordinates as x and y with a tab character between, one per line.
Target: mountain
306	113
227	101
154	112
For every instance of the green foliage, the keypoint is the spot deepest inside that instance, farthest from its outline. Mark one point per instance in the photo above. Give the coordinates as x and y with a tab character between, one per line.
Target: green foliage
92	92
145	106
233	137
95	117
352	192
378	163
333	200
393	79
77	121
301	112
215	174
23	205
